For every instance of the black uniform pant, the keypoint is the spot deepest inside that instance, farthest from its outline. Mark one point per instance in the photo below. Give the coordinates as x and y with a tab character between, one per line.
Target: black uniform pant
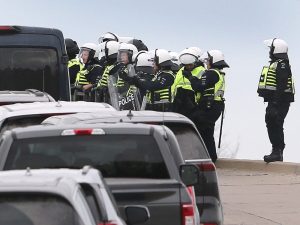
275	115
205	120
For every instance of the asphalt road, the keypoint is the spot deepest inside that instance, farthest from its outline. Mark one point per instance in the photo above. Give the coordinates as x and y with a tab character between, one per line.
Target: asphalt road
259	198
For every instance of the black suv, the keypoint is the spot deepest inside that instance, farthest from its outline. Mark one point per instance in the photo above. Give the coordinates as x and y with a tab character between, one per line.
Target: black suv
36	58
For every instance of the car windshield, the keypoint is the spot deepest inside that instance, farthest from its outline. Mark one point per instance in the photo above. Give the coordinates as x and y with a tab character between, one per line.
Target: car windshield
35	68
115	155
191	145
36	209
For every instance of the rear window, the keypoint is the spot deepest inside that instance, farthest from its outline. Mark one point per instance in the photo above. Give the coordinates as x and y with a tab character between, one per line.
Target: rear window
22	122
24	68
36	209
134	156
189	141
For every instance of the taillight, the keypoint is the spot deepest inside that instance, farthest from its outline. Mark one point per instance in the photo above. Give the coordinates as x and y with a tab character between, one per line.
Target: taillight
82	132
187	214
9	29
207	166
191	192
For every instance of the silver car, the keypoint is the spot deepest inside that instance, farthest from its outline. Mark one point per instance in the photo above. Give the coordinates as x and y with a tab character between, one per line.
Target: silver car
27	199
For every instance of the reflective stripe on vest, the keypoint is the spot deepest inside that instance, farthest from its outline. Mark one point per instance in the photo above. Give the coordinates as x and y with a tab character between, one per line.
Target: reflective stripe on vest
216	92
268	79
104	79
81	75
74	62
163	95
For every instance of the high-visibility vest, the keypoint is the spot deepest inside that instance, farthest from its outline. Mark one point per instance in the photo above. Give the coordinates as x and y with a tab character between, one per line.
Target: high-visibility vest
163	95
268	81
182	82
81	75
217	92
104	79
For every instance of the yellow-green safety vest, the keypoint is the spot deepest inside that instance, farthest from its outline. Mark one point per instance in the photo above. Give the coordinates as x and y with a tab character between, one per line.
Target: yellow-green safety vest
81	75
267	81
181	81
160	96
217	92
103	82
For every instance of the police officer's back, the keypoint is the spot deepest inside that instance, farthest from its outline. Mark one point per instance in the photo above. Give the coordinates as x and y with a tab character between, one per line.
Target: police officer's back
74	64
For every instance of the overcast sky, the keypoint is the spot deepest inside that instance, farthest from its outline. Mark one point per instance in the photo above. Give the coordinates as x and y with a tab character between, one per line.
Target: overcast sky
235	27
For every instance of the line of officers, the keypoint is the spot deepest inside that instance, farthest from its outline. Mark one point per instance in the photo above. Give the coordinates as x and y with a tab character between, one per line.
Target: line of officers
128	76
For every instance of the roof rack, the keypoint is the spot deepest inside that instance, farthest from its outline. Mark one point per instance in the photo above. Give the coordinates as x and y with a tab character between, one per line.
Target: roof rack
36	92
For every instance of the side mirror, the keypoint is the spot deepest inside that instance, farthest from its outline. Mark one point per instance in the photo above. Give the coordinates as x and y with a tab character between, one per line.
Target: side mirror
136	214
189	174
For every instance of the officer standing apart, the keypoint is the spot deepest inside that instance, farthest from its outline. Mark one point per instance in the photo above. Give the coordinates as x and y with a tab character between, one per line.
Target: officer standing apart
211	86
276	86
159	96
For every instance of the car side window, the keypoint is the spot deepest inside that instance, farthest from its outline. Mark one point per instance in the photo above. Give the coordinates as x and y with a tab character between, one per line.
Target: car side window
191	145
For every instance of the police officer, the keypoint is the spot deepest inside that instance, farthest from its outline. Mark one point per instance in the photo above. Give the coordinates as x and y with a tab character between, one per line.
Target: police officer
211	86
184	96
159	96
74	63
110	53
91	70
144	69
127	93
277	88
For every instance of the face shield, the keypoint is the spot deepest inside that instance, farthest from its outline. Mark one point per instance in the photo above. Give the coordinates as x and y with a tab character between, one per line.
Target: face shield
124	56
269	43
85	55
205	58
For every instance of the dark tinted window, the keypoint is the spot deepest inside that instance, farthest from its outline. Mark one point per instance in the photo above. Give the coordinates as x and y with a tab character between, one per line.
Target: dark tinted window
189	141
113	155
36	209
23	68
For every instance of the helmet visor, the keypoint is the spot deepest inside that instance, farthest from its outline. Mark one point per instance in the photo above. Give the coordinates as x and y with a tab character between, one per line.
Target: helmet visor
269	42
85	55
124	56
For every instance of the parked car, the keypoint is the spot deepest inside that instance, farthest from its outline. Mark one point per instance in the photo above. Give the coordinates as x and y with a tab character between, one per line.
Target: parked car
96	192
31	200
192	148
29	95
135	159
34	57
25	114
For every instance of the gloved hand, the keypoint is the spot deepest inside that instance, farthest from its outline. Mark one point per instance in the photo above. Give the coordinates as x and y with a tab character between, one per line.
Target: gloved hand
123	75
116	68
187	74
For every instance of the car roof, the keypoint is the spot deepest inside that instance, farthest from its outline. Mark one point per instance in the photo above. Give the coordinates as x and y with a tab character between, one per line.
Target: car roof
100	128
29	95
118	116
38	108
25	181
85	175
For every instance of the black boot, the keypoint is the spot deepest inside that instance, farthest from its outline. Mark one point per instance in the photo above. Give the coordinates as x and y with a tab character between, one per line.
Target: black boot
276	155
